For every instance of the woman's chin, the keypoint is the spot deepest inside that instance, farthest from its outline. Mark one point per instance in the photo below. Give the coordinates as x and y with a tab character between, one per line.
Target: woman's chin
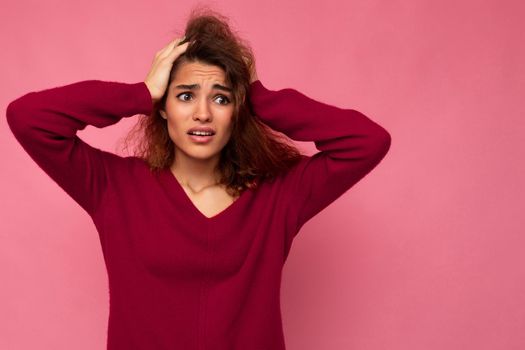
204	153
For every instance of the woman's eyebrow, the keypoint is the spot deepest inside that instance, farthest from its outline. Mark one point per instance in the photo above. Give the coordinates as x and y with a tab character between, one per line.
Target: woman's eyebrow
197	86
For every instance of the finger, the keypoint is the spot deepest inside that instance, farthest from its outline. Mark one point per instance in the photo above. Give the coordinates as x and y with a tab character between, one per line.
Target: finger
183	40
180	43
177	41
171	48
178	50
171	45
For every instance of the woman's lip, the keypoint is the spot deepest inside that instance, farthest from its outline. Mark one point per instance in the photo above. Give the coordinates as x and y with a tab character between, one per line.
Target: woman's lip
205	129
200	139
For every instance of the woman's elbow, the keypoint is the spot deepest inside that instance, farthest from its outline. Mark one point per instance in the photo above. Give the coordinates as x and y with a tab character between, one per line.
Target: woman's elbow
382	143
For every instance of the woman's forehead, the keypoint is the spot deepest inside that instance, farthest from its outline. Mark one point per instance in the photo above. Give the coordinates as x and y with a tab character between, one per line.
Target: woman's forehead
200	71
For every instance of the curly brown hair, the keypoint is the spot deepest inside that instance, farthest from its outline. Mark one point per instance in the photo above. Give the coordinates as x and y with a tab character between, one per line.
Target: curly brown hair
254	152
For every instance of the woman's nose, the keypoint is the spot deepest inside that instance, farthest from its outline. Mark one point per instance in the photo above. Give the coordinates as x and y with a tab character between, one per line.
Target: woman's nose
203	109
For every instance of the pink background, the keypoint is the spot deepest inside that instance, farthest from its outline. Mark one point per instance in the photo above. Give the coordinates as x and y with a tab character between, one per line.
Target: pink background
426	252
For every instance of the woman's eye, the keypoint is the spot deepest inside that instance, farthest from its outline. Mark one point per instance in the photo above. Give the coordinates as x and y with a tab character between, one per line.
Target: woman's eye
184	93
225	99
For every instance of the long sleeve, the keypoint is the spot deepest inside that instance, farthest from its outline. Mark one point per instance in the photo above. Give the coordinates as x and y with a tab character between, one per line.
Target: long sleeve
46	122
350	145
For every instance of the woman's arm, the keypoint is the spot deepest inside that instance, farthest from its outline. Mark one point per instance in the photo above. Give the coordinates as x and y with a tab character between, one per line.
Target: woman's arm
350	145
45	123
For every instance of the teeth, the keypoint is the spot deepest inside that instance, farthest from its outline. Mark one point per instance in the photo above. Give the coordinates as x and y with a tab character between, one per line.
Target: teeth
201	133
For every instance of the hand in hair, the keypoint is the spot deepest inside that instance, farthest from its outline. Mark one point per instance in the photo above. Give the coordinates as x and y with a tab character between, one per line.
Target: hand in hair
158	76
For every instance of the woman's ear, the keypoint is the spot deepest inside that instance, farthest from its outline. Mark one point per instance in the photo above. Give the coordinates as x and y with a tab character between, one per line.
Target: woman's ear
163	114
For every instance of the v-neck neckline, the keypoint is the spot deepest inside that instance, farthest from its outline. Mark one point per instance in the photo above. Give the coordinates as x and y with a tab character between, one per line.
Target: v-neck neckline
177	190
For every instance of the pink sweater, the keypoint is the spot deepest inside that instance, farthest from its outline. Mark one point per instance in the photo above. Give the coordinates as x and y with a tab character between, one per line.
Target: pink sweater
177	279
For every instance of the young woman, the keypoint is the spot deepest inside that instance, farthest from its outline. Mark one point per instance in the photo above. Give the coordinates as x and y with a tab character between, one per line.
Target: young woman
196	227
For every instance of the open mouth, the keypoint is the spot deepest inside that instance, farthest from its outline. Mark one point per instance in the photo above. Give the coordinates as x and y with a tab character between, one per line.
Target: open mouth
201	137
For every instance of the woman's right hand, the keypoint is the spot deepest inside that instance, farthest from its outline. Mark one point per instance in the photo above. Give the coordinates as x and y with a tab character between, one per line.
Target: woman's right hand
158	76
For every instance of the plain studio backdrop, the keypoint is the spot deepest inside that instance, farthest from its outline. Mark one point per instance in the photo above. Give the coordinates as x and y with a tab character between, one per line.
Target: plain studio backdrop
424	253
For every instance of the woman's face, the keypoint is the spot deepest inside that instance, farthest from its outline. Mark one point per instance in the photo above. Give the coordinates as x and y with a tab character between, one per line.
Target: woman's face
199	104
